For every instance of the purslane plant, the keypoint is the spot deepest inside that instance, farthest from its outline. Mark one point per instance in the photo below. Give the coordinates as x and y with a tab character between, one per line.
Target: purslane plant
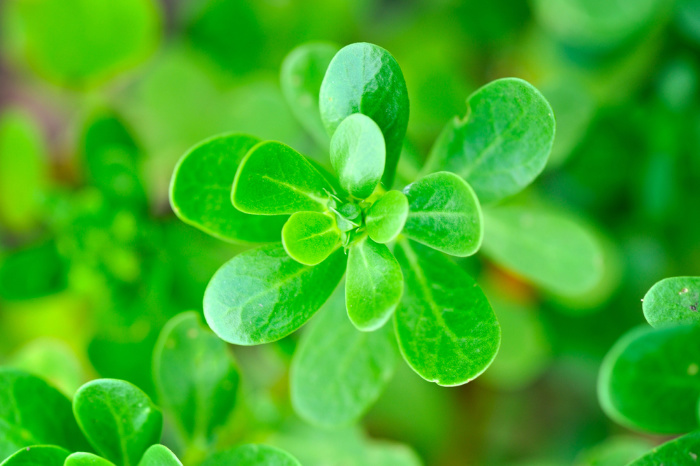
388	243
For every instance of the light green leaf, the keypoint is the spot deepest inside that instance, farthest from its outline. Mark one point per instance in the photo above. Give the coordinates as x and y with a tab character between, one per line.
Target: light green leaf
252	455
446	328
444	213
650	380
33	412
614	451
119	420
387	216
548	248
374	284
52	360
195	377
503	142
364	78
673	301
310	237
301	76
275	179
38	455
358	155
684	450
158	455
200	192
86	459
338	372
263	295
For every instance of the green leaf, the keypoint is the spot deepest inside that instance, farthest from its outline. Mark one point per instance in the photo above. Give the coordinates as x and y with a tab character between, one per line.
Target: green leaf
200	192
503	142
275	179
21	279
548	248
444	213
387	216
446	328
263	295
33	412
52	360
364	78
252	455
86	459
684	450
158	455
650	380
358	155
118	419
614	451
301	76
673	301
374	284
310	237
39	455
195	377
338	372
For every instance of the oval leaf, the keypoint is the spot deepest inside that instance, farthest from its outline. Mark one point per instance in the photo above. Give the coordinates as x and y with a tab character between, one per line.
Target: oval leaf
86	459
195	377
200	192
358	155
310	237
118	419
446	328
444	213
673	301
39	455
252	455
650	380
502	144
387	216
263	295
158	455
275	179
684	450
364	78
374	284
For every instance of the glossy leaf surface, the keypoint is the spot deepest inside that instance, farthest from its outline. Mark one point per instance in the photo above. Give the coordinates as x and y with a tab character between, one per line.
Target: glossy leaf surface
673	301
158	455
38	455
252	455
86	459
310	237
683	450
387	216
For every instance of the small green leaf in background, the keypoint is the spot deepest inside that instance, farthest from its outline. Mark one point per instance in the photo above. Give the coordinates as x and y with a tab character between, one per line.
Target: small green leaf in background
21	279
33	412
338	372
650	380
53	361
374	284
614	451
358	155
200	192
683	450
119	420
444	213
550	249
387	216
301	76
252	455
38	455
158	455
263	295
446	328
310	237
364	78
673	301
275	179
195	377
502	144
86	459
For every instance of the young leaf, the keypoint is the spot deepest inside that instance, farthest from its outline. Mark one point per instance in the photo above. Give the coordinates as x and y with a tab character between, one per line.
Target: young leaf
263	295
200	192
444	213
38	455
387	216
364	78
550	249
374	284
86	459
252	455
358	155
338	372
158	455
33	412
446	328
683	450
673	301
310	237
650	380
119	420
195	377
502	144
275	179
301	76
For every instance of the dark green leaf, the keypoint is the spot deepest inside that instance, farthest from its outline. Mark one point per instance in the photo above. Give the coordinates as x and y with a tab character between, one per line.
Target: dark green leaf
387	216
681	451
252	455
86	459
158	455
673	301
39	455
20	278
310	237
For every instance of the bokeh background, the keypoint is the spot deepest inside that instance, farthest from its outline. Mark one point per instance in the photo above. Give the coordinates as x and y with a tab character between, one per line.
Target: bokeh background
99	99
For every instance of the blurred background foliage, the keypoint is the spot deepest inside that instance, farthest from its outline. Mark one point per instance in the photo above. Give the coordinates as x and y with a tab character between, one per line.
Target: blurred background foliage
99	99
